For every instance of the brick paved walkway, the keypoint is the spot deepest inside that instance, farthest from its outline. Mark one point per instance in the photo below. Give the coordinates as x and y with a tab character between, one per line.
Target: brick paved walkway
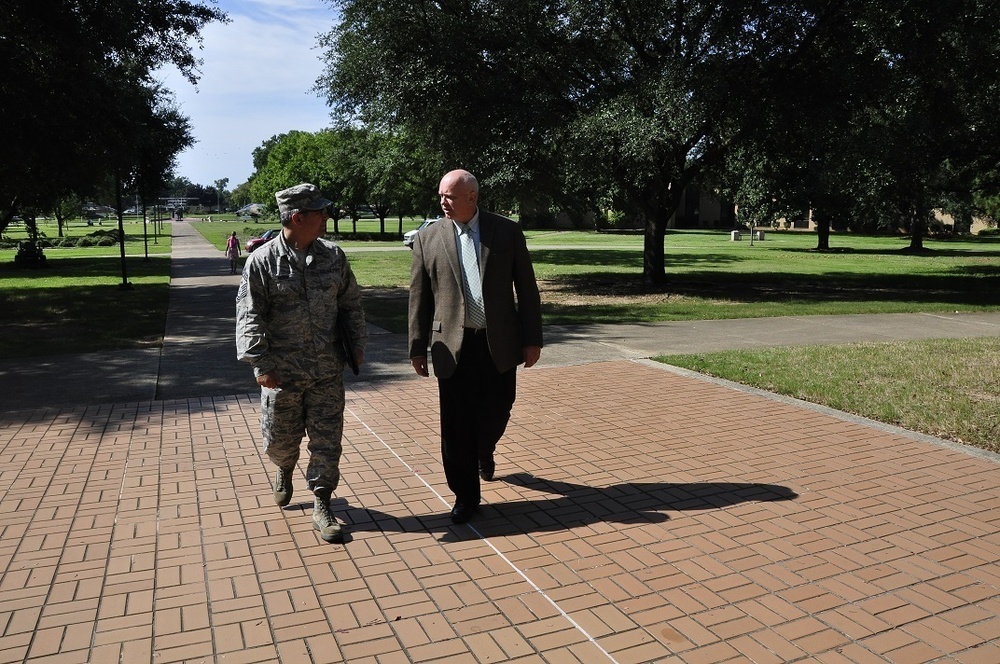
641	516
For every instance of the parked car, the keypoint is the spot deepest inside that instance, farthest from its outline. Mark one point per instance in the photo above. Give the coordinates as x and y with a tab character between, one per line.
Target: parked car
255	242
409	236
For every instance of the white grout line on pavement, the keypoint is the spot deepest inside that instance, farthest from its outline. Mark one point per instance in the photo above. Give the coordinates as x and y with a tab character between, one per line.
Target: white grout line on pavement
488	543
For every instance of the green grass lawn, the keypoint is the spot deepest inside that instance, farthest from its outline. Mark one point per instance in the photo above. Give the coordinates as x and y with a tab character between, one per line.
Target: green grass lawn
596	277
78	304
140	238
946	388
590	277
942	387
217	231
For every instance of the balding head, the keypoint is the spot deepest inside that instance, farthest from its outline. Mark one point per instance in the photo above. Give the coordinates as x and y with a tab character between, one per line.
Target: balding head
458	193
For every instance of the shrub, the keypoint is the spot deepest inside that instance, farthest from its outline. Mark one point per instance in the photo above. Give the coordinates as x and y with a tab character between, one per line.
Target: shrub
613	220
100	235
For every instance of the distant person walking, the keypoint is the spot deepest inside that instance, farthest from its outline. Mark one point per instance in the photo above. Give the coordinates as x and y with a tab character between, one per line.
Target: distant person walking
233	252
293	291
466	271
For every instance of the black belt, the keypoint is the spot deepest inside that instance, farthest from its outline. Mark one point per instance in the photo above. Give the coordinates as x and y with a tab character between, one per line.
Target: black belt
475	330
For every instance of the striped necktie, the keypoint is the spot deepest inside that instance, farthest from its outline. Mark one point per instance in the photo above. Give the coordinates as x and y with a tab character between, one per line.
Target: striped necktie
475	311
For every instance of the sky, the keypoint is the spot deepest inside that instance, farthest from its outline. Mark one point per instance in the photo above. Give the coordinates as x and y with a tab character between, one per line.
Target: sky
256	81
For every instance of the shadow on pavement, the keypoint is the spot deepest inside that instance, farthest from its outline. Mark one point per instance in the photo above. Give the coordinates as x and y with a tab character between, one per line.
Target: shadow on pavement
638	502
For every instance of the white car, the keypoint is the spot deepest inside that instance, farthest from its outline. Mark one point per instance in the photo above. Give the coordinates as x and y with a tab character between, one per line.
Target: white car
409	236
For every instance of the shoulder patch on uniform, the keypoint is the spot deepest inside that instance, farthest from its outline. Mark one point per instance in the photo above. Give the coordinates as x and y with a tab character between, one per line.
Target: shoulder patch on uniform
244	289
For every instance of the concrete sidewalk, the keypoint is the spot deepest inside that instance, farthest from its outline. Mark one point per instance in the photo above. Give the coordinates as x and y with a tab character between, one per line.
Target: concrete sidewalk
641	514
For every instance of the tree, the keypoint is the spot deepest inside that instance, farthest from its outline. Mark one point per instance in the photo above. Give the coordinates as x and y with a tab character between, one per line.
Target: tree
354	168
396	176
887	114
837	106
163	134
240	195
405	85
288	159
940	127
220	190
71	70
626	102
326	158
809	151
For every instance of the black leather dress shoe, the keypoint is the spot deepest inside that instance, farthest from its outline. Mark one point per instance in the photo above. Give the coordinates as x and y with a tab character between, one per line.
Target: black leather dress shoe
487	469
462	512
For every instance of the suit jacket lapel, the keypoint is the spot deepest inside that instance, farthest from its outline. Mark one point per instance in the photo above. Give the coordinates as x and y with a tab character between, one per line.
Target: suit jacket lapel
451	251
487	229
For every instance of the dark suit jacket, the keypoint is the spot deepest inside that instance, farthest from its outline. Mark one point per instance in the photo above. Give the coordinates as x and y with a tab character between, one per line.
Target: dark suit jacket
437	302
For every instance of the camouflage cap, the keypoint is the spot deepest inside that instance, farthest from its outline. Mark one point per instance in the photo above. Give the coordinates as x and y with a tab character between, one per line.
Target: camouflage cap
303	196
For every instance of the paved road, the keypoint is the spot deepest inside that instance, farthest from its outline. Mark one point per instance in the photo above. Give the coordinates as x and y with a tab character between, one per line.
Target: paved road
198	357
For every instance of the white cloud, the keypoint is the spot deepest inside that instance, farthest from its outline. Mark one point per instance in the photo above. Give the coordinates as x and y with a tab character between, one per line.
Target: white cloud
256	81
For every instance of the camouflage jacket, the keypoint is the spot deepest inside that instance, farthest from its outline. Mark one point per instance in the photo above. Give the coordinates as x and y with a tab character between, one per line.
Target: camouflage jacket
286	314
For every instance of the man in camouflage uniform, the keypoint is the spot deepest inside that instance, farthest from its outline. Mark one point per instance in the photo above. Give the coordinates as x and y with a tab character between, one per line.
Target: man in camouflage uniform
292	291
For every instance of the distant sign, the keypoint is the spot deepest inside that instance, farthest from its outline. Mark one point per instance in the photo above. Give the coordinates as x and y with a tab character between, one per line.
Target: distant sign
176	202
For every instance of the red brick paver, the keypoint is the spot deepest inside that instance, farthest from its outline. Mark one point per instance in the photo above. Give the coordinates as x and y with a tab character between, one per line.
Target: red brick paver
640	516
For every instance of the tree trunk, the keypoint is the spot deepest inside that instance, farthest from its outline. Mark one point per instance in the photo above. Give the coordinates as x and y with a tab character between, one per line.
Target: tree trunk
655	215
31	227
531	213
145	229
822	232
918	226
963	222
917	233
653	266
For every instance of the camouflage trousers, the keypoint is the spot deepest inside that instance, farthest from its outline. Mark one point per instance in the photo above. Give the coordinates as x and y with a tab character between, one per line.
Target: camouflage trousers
305	406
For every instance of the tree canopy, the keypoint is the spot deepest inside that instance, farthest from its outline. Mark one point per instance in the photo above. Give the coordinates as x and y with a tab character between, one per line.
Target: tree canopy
355	168
886	115
590	103
78	99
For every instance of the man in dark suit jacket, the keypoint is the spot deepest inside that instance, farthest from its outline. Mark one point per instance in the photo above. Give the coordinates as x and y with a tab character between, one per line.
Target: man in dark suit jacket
475	359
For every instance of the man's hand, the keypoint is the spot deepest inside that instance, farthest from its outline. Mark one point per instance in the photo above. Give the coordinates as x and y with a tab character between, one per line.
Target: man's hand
270	381
531	355
419	365
359	356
